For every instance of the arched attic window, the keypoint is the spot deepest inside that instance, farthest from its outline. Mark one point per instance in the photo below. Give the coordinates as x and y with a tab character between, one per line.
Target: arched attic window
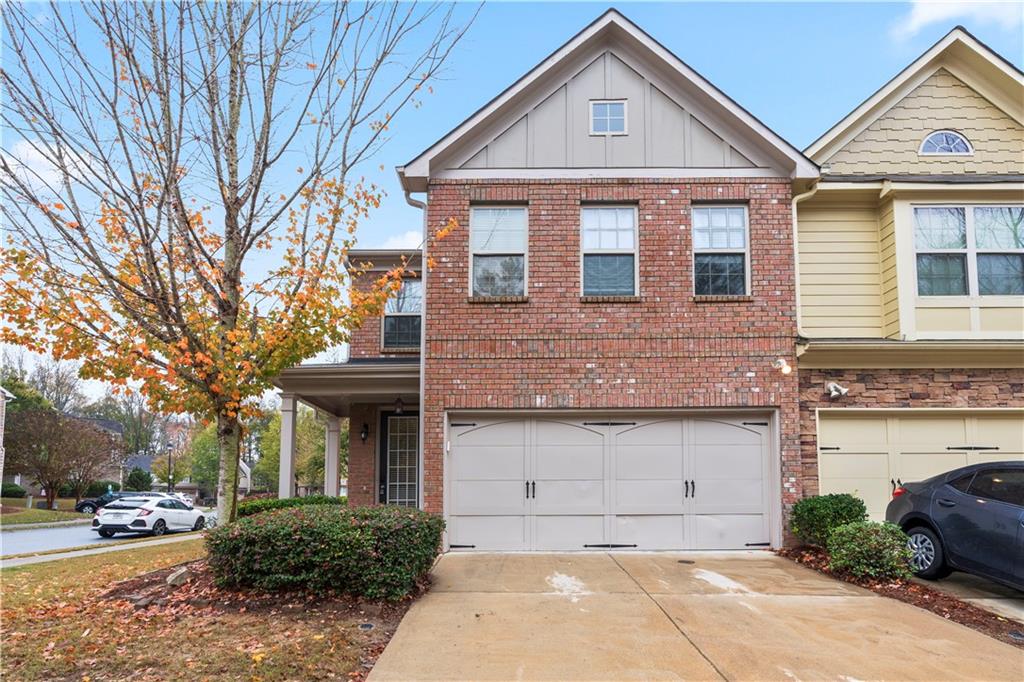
946	142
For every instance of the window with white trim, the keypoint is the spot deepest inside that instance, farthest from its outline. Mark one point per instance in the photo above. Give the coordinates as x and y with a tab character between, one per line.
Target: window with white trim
608	240
720	251
946	142
402	316
969	250
497	238
608	117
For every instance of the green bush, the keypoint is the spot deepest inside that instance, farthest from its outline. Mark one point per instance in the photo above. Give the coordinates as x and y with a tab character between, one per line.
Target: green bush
814	518
138	479
250	507
373	552
867	549
11	490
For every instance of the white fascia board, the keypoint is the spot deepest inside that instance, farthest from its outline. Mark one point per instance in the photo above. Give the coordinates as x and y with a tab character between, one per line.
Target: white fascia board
883	98
414	174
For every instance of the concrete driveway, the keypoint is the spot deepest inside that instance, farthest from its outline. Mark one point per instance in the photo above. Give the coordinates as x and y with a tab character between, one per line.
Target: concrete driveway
735	616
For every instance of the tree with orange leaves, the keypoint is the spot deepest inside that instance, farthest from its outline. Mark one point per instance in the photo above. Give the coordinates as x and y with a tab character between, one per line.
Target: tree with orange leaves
179	189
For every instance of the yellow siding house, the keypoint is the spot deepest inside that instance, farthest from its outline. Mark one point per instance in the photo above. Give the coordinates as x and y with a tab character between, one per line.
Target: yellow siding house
910	252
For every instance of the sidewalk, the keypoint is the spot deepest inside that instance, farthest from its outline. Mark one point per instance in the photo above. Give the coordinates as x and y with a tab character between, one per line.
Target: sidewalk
25	561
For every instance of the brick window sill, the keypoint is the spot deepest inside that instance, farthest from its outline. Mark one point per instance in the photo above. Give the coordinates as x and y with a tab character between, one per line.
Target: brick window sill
497	299
610	299
723	299
400	349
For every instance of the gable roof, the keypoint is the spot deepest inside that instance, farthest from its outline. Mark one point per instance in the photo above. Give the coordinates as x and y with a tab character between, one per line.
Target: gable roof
959	52
609	27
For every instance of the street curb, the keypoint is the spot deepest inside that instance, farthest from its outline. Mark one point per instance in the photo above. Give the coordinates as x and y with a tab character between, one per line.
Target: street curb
45	524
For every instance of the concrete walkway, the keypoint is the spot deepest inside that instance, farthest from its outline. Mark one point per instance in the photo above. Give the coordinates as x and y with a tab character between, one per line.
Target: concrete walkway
25	561
736	616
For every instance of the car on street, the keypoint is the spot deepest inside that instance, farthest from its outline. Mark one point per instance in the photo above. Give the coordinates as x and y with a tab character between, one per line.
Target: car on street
91	505
970	519
151	515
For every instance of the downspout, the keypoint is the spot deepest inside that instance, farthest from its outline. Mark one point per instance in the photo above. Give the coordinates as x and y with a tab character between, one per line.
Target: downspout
421	205
796	258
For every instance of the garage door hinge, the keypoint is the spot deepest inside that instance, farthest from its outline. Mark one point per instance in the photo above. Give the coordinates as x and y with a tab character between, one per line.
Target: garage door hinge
973	448
823	448
609	423
758	544
463	424
461	546
609	545
755	423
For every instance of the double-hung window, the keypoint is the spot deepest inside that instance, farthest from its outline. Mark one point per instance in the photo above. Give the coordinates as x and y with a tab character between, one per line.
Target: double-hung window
969	250
720	251
498	238
609	250
402	316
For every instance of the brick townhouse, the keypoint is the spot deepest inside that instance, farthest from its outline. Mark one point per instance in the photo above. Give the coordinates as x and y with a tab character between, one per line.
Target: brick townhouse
610	350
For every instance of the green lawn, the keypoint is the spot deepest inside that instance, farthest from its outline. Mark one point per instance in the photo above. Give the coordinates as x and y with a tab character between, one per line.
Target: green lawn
15	513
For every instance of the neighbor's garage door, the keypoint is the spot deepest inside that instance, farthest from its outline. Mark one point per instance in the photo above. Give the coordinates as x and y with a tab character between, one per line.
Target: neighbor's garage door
588	483
868	454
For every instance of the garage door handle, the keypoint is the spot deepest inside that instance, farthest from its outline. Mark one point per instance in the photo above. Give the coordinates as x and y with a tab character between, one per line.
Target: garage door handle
693	488
527	490
687	493
533	490
947	503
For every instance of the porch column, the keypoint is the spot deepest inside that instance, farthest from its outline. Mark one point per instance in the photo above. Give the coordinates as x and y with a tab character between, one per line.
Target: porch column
286	468
332	445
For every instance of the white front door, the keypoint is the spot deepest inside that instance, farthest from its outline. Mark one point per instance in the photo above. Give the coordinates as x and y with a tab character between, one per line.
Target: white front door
586	483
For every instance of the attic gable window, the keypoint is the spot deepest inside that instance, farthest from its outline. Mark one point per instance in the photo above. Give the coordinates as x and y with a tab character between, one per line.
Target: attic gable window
608	117
946	142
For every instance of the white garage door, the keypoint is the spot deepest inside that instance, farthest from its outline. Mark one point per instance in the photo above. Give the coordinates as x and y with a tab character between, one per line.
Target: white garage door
589	483
869	453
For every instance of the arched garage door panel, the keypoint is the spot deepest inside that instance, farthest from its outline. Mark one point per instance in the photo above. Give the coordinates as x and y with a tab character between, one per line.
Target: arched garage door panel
572	484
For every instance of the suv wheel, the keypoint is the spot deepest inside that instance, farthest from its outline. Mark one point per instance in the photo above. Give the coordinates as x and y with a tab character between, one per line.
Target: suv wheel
928	560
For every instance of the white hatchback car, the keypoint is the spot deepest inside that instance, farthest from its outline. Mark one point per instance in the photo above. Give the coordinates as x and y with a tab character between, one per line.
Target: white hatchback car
153	515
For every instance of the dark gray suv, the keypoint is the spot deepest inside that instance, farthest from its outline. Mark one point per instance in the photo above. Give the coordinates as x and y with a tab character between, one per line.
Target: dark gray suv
970	519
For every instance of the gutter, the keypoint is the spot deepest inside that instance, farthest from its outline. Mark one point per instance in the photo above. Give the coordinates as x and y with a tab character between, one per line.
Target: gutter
796	259
421	205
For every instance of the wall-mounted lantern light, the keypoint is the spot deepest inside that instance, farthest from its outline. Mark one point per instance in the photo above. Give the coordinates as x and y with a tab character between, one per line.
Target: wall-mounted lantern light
364	432
399	406
782	366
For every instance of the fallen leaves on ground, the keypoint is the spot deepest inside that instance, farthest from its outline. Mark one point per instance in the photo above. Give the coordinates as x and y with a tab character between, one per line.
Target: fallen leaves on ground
922	596
74	622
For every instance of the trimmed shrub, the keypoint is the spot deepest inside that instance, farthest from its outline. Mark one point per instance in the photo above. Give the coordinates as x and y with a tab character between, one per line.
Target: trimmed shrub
868	549
373	552
259	505
11	490
814	518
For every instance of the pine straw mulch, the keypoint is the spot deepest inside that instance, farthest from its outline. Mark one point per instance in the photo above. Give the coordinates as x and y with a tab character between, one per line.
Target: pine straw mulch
143	628
921	596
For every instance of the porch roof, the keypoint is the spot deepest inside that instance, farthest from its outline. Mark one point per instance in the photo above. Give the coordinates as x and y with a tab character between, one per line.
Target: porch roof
335	387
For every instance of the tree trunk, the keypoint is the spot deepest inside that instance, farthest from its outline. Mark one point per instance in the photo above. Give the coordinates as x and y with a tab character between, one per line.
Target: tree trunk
51	495
229	443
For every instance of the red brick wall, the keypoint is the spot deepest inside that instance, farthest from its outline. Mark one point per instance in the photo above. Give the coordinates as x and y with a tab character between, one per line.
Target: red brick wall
362	457
366	341
893	388
666	350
